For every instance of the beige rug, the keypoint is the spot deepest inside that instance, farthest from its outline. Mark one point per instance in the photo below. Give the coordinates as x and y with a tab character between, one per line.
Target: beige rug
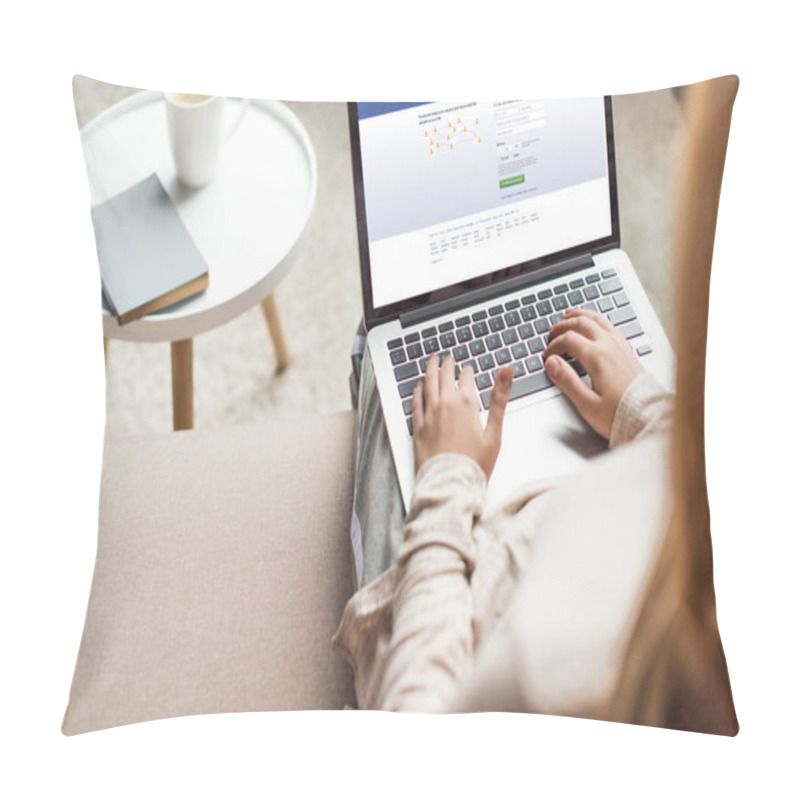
320	300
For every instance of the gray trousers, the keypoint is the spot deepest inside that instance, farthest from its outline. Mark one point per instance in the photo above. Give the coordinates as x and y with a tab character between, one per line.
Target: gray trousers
376	529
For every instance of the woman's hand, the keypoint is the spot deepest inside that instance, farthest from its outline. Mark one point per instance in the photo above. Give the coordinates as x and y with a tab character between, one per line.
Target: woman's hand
608	358
446	417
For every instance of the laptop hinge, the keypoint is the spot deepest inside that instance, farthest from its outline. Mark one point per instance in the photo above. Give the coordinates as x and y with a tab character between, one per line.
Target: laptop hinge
471	298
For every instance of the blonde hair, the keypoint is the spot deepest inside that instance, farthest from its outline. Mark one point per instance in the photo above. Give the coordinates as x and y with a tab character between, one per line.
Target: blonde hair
674	673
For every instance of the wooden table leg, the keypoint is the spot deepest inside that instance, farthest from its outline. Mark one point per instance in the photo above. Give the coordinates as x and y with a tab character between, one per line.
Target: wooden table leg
182	385
270	309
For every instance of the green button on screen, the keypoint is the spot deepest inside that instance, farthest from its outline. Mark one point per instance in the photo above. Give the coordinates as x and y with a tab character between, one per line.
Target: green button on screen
506	182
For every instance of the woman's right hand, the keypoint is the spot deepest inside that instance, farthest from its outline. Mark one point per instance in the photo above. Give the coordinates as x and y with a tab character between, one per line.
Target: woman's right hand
608	358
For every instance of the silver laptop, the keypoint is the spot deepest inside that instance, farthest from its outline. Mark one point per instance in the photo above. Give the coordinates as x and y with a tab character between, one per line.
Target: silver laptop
479	224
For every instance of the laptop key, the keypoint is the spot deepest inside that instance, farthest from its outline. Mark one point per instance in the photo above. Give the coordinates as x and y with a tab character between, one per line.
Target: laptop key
446	326
496	324
448	339
522	387
560	302
486	362
397	356
621	299
394	344
408	404
631	330
519	350
415	350
577	366
608	273
541	325
480	329
479	315
591	293
525	331
534	364
575	298
594	278
545	294
406	371
512	319
493	341
483	381
562	288
578	283
535	346
460	353
556	318
495	310
528	299
411	337
431	345
407	389
477	347
502	356
462	321
512	304
510	336
410	423
611	285
605	304
590	306
622	315
644	349
528	313
428	332
463	335
544	308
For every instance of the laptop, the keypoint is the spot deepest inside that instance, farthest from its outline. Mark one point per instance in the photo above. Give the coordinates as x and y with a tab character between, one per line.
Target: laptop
479	224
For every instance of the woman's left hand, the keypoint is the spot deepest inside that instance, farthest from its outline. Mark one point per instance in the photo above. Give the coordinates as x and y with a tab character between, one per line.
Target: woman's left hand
446	415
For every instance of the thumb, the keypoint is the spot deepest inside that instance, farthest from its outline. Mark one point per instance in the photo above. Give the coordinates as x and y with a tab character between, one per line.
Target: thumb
498	403
566	379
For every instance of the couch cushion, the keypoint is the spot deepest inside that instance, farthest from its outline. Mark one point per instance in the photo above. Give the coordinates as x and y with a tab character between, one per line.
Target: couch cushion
222	569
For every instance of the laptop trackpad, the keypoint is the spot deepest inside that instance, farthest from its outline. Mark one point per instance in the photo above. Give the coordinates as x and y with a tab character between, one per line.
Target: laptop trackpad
548	440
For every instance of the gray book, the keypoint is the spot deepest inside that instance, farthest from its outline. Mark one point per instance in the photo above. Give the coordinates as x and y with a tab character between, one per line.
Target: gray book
148	259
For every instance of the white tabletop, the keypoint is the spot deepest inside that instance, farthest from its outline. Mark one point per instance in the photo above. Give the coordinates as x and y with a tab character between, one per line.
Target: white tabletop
249	223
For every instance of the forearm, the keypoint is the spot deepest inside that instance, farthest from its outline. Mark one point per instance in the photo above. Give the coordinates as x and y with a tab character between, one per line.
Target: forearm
430	648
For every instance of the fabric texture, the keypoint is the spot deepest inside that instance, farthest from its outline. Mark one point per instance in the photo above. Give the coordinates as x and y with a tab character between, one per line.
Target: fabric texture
222	569
416	634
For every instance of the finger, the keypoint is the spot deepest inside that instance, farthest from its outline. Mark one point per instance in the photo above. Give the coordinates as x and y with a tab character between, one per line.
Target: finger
431	390
447	377
497	405
566	379
580	323
466	385
571	344
417	407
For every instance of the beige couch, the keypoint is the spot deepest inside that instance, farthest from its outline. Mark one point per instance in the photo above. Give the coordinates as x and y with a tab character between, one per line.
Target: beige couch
223	566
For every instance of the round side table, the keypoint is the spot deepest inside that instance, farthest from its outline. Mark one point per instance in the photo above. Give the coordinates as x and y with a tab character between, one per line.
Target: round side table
250	222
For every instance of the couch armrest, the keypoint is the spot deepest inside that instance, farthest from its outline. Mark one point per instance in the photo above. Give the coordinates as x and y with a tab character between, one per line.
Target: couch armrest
223	567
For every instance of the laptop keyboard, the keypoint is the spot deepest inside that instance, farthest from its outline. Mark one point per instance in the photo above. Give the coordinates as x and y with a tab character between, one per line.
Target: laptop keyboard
513	333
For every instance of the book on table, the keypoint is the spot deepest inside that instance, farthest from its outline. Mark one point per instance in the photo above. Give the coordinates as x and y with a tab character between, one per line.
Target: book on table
148	259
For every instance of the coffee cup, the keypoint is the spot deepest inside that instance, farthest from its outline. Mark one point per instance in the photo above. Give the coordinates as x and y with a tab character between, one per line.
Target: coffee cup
196	125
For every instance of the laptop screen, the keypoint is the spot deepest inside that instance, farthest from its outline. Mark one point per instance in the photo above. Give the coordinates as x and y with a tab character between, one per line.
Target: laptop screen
451	196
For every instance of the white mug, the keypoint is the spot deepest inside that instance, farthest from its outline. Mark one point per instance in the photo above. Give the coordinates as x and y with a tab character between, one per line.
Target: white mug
196	125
